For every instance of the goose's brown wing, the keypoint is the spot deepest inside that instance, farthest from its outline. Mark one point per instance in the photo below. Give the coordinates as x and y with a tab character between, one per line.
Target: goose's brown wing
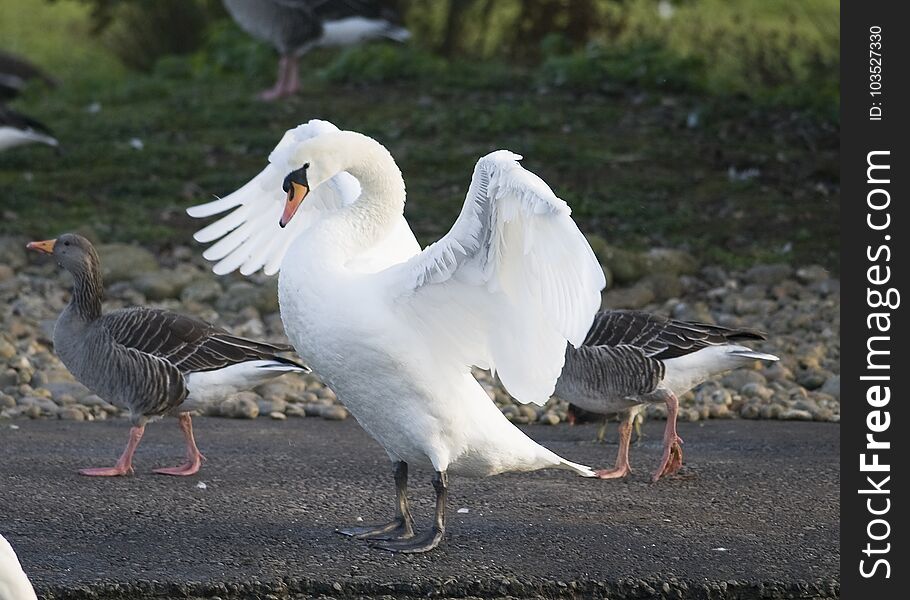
659	337
189	344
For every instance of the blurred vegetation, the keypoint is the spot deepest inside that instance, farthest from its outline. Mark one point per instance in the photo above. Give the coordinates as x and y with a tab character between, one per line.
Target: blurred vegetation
637	132
140	32
772	51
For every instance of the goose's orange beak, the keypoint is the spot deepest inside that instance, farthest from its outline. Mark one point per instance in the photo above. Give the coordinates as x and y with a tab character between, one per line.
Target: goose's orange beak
296	195
47	246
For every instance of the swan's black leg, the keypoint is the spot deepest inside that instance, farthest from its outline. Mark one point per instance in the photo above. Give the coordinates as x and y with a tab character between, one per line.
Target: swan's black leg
402	526
430	538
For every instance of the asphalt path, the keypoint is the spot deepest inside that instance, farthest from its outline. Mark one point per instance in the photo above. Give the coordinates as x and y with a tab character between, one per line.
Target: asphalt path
753	514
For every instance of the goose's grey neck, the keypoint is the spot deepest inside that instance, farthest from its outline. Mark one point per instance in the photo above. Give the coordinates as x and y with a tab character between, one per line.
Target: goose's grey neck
87	291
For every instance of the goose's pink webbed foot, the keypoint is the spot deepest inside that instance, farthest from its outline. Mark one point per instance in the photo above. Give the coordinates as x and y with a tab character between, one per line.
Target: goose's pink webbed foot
124	464
194	457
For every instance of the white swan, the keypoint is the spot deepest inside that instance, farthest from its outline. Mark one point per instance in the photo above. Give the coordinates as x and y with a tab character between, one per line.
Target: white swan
393	330
14	585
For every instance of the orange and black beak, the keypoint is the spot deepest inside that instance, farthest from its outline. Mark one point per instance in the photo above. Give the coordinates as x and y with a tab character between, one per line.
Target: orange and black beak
46	246
296	193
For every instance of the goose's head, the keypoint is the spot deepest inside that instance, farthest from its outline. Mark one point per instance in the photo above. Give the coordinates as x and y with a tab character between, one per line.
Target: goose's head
71	251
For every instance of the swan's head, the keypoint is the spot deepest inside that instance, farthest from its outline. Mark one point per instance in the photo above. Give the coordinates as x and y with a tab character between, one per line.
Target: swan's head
296	186
317	160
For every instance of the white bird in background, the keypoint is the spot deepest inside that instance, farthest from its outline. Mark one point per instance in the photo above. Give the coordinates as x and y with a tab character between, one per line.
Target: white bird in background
395	331
17	129
296	26
14	585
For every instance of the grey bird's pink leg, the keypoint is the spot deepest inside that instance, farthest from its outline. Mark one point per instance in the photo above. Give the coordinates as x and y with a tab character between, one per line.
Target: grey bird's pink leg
292	77
278	90
622	467
672	458
194	457
124	464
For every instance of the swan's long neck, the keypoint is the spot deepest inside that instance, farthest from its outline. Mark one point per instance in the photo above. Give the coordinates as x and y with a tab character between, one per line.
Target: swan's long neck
369	219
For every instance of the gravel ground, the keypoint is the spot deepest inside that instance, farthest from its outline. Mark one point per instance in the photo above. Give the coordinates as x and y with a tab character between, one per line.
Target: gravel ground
798	307
754	515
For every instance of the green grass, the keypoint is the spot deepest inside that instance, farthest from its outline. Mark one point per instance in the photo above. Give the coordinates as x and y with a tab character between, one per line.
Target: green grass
56	37
623	157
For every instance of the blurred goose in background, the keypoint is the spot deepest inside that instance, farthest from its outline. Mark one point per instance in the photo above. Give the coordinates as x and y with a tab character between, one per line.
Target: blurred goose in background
296	26
394	330
152	362
14	584
16	72
17	130
631	358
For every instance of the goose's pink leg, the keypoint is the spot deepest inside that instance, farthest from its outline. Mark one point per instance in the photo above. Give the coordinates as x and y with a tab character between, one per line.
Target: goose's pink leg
278	90
622	467
194	457
124	464
292	77
671	461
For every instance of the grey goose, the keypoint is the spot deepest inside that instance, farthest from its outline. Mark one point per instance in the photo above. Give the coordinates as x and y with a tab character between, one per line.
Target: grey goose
296	26
632	358
153	362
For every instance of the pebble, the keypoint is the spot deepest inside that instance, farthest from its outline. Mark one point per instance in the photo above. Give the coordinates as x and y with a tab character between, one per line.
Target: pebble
6	273
7	401
12	251
8	377
549	418
771	411
768	274
832	387
812	274
295	410
201	290
719	411
798	308
756	390
528	412
7	349
242	405
812	379
750	411
71	414
794	414
276	405
335	413
122	262
738	379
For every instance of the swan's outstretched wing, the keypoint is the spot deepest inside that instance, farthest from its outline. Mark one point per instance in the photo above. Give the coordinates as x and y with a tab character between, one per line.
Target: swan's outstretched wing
511	282
249	237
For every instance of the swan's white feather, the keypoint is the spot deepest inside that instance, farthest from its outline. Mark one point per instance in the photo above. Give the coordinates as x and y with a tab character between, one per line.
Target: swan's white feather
511	282
394	330
14	585
249	237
